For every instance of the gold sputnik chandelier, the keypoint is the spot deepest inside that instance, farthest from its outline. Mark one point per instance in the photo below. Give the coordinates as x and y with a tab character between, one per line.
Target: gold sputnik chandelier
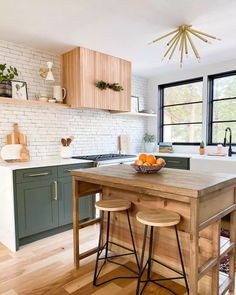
183	39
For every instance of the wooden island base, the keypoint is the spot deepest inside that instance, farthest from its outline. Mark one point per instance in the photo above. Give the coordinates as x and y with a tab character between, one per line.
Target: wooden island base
201	200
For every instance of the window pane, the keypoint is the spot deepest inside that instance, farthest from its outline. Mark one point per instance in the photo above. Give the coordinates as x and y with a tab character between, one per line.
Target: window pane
183	114
224	87
224	110
218	132
183	93
183	133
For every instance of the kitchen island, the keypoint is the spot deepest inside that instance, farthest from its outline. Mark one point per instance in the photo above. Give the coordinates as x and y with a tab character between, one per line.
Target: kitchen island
201	199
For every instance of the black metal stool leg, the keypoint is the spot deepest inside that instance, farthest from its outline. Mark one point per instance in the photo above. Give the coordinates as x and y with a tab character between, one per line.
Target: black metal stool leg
132	238
108	232
141	261
150	254
99	247
181	259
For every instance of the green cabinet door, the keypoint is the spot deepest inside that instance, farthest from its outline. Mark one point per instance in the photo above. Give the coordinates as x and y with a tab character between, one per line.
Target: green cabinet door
65	201
36	207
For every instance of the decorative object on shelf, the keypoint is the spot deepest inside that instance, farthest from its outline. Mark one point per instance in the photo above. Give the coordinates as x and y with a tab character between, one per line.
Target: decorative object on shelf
134	104
41	97
114	86
59	93
19	90
46	73
182	40
66	151
165	147
15	150
52	100
202	148
7	74
149	142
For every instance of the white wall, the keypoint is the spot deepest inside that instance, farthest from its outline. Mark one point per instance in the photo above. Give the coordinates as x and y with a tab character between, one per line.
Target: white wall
200	71
94	131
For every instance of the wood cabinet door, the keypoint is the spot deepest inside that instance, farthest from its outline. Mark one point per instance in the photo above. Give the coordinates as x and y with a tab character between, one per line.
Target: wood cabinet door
65	201
125	81
37	208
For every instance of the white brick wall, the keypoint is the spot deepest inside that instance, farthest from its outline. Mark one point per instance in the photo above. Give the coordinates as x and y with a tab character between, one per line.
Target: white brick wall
94	131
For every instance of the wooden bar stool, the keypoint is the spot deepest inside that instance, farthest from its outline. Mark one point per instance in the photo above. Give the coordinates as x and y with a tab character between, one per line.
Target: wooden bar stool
113	206
158	218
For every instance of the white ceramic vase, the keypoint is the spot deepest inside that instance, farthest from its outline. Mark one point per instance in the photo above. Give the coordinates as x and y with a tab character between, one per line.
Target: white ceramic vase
66	152
149	147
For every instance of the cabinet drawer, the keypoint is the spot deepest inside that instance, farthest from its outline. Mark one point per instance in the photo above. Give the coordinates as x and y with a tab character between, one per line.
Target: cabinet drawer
177	163
36	174
64	171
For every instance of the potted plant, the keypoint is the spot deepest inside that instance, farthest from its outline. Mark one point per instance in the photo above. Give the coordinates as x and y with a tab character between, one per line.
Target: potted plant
202	148
7	74
149	142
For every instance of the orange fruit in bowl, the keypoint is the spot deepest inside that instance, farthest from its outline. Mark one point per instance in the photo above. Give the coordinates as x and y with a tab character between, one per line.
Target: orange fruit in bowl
146	164
151	159
160	162
143	157
138	162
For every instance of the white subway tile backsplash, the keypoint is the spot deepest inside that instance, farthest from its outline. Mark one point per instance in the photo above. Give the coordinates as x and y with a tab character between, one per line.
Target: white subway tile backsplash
94	131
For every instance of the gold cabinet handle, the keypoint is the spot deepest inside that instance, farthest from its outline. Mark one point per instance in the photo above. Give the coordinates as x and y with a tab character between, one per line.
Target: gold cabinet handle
38	174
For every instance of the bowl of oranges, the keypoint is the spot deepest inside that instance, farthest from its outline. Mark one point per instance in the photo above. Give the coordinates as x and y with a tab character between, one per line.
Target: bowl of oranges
148	164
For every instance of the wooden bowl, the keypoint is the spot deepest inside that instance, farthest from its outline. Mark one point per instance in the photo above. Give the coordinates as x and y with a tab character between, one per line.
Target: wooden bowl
147	169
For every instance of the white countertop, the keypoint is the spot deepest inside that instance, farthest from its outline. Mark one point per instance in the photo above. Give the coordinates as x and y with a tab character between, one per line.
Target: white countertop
41	163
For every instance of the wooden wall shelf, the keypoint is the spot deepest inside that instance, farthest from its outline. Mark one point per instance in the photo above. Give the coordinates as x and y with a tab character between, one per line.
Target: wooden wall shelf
30	102
134	114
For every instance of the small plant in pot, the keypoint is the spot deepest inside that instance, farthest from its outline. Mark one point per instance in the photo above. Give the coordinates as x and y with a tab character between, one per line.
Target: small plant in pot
7	74
149	142
202	148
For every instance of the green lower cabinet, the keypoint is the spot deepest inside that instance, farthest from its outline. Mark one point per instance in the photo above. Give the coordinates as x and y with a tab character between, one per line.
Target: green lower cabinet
37	210
65	202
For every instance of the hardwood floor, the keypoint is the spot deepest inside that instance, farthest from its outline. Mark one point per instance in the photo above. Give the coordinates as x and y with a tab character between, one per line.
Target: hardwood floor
46	267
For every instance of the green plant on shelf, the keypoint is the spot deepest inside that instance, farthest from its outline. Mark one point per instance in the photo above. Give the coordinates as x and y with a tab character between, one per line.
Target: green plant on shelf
114	86
7	74
202	145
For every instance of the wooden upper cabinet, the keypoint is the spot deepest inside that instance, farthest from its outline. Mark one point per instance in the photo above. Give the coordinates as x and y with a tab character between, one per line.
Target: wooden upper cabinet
82	68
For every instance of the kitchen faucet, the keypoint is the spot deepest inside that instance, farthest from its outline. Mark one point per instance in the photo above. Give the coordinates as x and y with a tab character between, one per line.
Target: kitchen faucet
230	152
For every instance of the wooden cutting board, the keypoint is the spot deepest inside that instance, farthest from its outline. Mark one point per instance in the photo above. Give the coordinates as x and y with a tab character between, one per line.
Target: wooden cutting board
16	137
124	144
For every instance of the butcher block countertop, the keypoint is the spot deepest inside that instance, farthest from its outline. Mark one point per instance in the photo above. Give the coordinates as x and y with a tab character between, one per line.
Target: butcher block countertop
186	183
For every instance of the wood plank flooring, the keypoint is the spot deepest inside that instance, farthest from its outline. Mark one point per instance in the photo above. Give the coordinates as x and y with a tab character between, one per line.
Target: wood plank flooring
46	267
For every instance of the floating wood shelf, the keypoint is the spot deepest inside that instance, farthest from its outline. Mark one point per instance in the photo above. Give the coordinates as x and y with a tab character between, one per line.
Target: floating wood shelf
134	114
31	102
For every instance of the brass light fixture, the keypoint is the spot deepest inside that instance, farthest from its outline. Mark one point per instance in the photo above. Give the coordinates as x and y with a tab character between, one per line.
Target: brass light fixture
183	38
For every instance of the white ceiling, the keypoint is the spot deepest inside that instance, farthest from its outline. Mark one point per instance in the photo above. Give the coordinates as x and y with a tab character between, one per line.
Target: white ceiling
121	28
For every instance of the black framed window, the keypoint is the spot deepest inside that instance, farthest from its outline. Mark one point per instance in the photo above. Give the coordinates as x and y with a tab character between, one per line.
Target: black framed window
181	112
222	106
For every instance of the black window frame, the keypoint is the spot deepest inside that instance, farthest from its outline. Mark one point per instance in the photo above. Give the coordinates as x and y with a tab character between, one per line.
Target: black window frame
211	100
162	106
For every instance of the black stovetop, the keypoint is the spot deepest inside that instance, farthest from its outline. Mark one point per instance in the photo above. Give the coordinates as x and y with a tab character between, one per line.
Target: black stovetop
104	157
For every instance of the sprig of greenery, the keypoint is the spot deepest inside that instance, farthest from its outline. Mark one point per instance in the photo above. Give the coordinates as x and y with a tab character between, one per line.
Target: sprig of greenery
7	74
149	137
202	145
103	85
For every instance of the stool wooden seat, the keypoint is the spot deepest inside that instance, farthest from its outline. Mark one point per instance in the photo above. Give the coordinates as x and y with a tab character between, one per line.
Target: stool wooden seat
158	217
113	205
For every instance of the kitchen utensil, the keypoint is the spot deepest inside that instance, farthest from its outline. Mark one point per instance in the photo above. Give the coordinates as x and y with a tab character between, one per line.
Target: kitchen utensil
16	137
11	152
124	144
24	154
68	141
59	93
63	141
147	169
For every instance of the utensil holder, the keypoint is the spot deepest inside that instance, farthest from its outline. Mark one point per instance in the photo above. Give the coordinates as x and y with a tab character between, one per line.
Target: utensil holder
66	152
